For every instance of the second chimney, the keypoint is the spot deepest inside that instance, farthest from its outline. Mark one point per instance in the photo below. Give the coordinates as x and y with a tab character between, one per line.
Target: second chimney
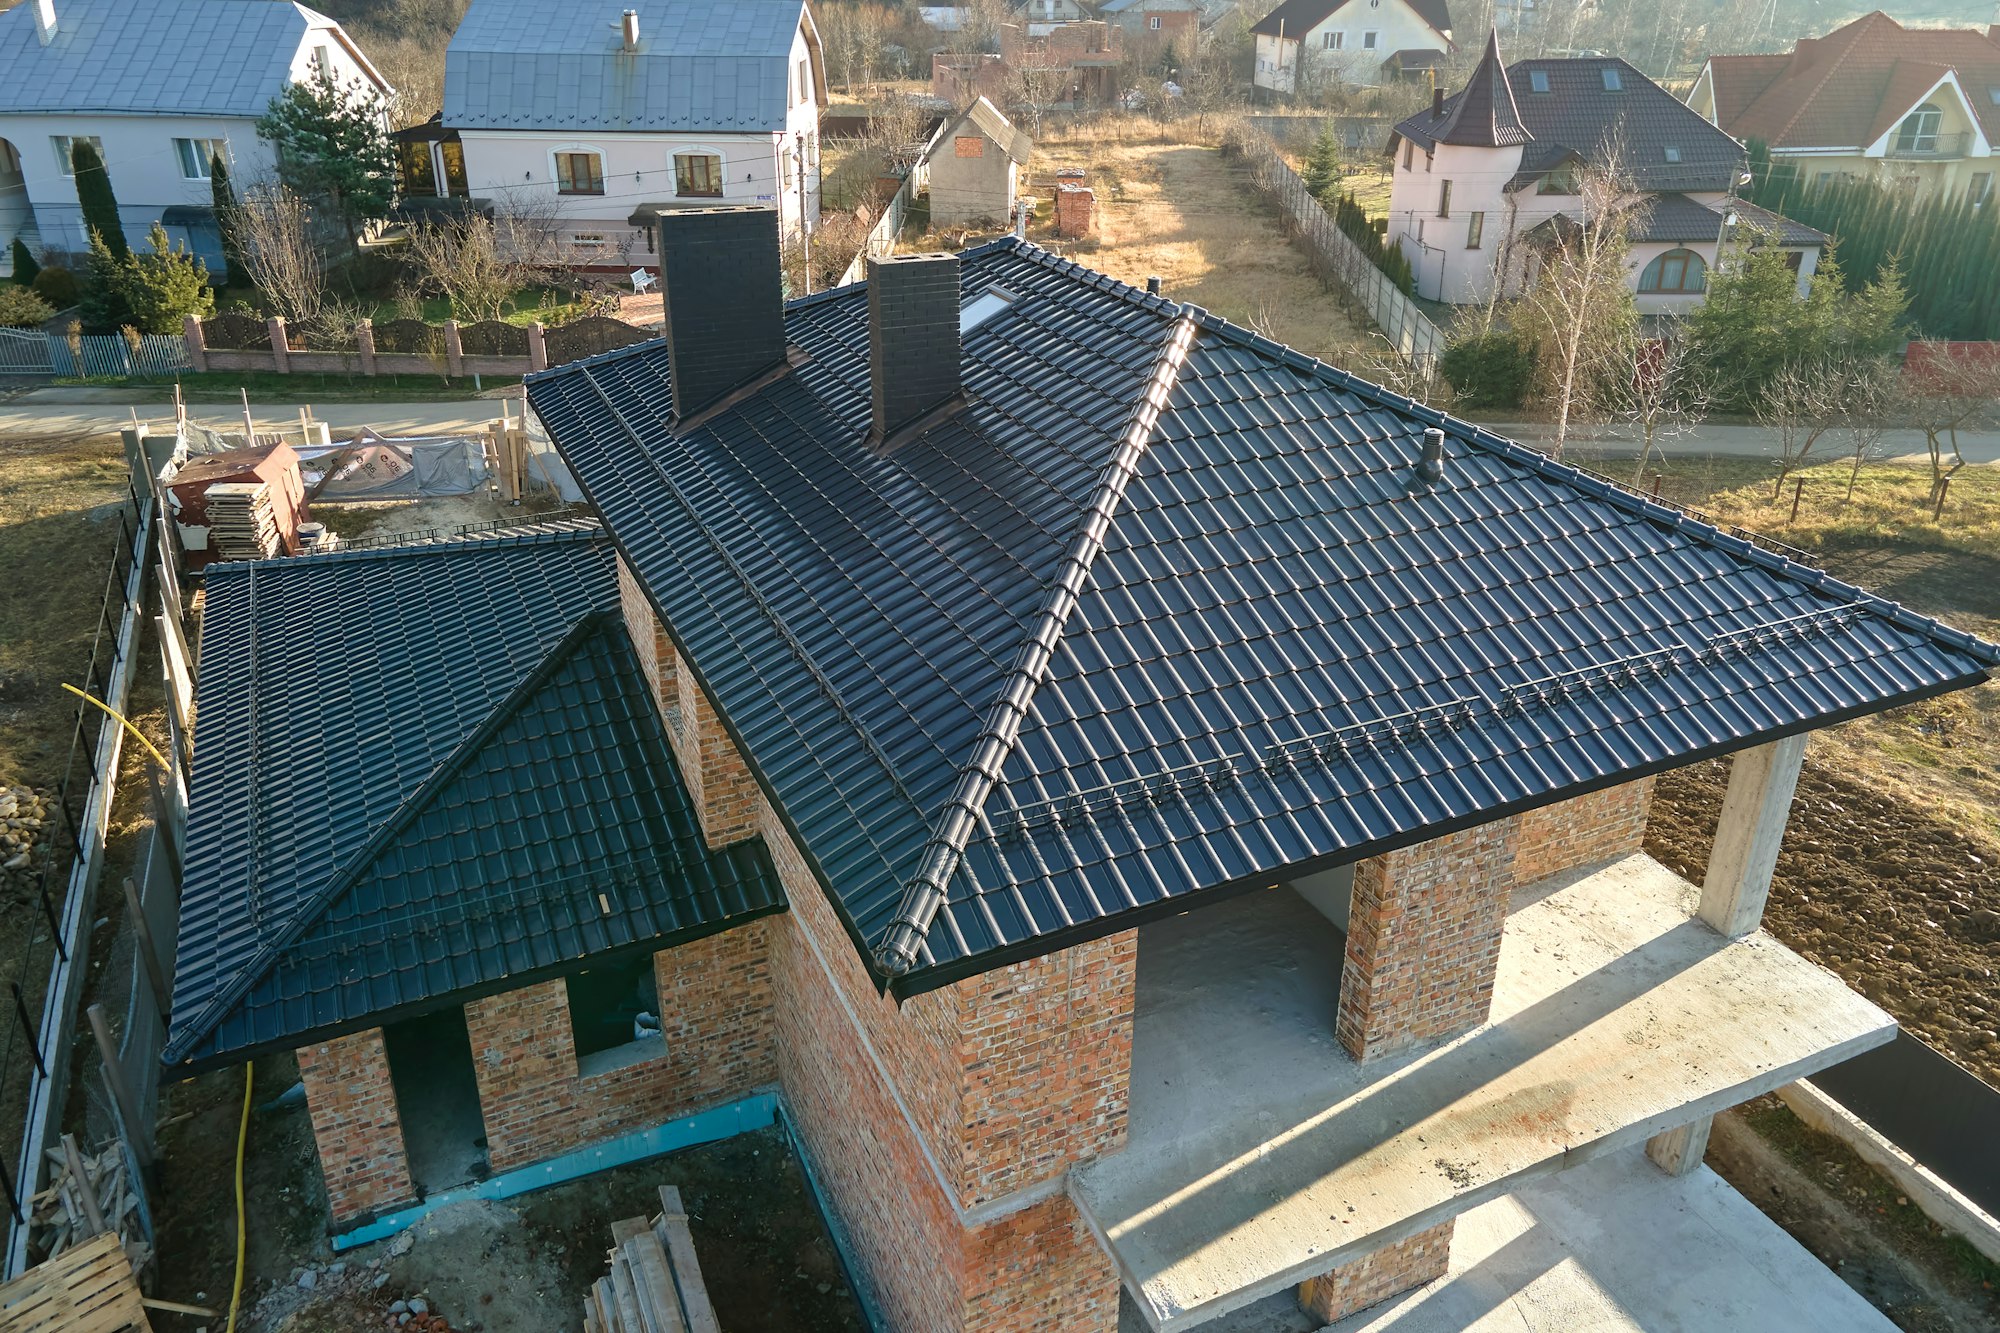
630	26
1437	103
723	288
913	347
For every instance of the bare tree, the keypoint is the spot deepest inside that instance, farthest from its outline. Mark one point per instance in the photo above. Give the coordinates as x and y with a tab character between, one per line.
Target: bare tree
274	229
1661	395
854	35
1870	397
1579	313
1945	388
1036	82
464	260
1800	405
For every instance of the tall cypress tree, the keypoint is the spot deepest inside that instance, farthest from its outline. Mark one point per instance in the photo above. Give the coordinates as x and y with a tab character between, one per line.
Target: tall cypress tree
93	191
226	220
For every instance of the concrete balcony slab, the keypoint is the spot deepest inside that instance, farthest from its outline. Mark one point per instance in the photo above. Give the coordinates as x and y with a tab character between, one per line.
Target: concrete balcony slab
1259	1154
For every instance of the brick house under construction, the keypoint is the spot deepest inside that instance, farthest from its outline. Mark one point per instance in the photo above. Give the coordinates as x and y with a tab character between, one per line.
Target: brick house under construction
1161	816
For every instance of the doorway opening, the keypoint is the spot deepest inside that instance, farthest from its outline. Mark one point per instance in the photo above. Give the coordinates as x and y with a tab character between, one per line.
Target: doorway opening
437	1098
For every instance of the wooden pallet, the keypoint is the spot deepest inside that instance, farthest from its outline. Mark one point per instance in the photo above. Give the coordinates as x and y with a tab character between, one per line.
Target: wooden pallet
655	1285
88	1288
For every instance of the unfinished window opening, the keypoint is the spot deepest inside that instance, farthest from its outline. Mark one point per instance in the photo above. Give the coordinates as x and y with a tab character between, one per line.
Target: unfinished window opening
437	1099
614	1015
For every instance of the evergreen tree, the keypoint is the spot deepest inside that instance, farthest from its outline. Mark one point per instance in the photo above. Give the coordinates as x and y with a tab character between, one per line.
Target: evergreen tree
227	220
104	306
332	145
167	285
1322	173
93	191
25	267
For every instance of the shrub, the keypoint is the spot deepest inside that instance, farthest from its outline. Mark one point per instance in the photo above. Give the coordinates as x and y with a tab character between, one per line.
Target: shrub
58	286
20	308
1490	369
25	267
1352	219
166	285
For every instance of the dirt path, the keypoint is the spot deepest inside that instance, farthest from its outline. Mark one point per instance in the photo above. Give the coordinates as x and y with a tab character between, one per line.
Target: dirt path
1196	220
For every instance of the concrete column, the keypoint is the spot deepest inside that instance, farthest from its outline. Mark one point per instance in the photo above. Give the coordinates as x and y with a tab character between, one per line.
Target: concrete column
197	346
281	345
1761	783
1679	1151
364	345
454	351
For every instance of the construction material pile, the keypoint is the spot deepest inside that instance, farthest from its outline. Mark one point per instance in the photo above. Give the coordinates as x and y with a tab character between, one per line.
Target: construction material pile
655	1284
242	523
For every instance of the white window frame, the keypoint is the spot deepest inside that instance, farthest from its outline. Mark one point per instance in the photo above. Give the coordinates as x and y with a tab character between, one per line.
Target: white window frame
1475	229
65	148
603	170
322	60
1916	134
1153	22
588	240
198	154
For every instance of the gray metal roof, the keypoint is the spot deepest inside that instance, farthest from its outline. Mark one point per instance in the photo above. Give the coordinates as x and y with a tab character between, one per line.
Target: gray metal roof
528	64
163	57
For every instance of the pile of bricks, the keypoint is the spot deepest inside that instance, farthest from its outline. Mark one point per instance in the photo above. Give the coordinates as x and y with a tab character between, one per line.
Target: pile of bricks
1076	211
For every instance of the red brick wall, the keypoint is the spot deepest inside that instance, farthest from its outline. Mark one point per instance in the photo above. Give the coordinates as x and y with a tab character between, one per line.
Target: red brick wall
1586	830
1423	940
1376	1277
715	1002
1039	1270
1076	210
355	1124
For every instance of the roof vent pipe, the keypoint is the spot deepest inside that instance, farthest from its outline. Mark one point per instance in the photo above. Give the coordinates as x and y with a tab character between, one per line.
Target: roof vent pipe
1152	284
1430	468
45	20
1437	103
631	29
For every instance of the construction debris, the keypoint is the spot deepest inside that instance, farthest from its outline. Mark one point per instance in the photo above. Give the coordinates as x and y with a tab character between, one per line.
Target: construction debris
88	1288
655	1285
87	1196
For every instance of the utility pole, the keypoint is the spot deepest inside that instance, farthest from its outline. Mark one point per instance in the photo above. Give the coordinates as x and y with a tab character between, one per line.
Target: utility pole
805	239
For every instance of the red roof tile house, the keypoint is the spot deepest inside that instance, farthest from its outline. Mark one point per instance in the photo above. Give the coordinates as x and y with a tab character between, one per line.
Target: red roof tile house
1916	108
1159	814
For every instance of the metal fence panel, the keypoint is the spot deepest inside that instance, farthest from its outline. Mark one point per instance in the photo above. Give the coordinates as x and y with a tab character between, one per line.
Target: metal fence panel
24	352
112	355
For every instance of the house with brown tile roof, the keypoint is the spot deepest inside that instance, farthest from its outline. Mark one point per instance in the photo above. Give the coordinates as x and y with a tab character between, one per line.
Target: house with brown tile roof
1917	108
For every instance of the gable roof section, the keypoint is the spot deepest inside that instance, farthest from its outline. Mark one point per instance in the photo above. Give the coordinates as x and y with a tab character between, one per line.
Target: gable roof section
701	65
989	121
1162	614
1846	89
426	773
160	57
1578	113
1295	18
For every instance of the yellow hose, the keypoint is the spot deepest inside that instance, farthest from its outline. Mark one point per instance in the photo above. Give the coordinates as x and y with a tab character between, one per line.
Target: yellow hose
242	1232
123	720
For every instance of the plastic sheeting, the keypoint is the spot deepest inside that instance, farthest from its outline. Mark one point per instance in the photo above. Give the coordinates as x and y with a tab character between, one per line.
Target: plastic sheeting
373	466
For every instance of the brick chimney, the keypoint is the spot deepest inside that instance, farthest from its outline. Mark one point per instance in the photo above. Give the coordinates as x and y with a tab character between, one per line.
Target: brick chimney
723	288
913	348
45	20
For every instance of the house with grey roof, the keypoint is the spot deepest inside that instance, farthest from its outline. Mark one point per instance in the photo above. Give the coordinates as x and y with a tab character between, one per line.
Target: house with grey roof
1482	171
1307	45
160	87
603	114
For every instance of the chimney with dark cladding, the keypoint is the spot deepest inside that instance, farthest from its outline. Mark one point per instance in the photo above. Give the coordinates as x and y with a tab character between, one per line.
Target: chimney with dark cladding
1437	103
723	288
913	348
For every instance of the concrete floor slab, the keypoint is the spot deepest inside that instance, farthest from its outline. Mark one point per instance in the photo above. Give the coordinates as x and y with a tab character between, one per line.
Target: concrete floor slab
1614	1246
1259	1154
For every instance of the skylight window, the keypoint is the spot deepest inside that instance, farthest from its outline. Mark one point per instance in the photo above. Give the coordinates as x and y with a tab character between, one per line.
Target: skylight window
980	309
1613	81
1538	80
1673	154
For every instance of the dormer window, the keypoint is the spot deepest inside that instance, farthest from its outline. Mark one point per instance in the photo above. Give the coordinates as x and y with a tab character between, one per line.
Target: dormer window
1538	80
1614	82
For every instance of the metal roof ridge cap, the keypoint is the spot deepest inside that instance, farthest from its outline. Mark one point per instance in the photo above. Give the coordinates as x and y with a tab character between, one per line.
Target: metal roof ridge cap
225	998
1069	268
923	893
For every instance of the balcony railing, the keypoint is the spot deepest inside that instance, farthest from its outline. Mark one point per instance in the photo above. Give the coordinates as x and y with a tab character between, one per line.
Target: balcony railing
1932	145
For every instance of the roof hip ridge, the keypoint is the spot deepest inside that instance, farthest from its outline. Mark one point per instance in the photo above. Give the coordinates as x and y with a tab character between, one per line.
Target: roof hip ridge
924	891
344	878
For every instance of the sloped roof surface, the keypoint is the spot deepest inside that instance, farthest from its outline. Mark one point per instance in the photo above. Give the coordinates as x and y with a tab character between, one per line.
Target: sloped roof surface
1846	89
1286	653
419	769
990	122
1484	114
185	57
1675	217
1580	114
701	65
1295	18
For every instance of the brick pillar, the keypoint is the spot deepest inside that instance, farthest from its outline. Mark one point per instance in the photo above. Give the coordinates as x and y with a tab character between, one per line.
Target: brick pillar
1039	1270
355	1124
364	345
197	345
1076	211
1584	831
1378	1275
281	345
1423	940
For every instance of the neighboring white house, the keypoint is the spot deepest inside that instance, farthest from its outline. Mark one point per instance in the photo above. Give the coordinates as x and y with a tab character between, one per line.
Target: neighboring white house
614	111
1476	175
158	86
1308	44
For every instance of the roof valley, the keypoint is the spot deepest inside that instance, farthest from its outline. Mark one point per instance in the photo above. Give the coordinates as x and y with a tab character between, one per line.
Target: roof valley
923	894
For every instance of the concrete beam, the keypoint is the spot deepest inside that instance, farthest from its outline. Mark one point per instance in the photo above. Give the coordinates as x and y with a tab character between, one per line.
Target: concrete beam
1747	836
1679	1151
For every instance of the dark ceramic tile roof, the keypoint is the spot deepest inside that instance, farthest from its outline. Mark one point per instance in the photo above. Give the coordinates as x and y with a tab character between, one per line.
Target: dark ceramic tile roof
1578	113
1285	655
1484	114
426	773
1675	217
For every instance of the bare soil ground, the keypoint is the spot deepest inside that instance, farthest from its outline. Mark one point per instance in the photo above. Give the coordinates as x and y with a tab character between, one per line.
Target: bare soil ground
519	1265
1194	218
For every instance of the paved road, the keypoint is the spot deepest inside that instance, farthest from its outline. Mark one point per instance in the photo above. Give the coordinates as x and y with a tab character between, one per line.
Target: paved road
69	411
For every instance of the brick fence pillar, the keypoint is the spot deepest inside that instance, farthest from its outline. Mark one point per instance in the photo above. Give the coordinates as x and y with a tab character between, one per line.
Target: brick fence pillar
1423	940
197	345
281	345
364	345
1376	1276
538	348
356	1125
454	350
1076	211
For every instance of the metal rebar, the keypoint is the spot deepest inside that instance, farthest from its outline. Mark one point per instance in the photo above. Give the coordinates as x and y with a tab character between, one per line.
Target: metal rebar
34	1042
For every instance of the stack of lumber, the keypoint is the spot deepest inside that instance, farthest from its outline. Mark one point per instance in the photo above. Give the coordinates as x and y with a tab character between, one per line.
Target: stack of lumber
242	523
88	1288
655	1284
88	1196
